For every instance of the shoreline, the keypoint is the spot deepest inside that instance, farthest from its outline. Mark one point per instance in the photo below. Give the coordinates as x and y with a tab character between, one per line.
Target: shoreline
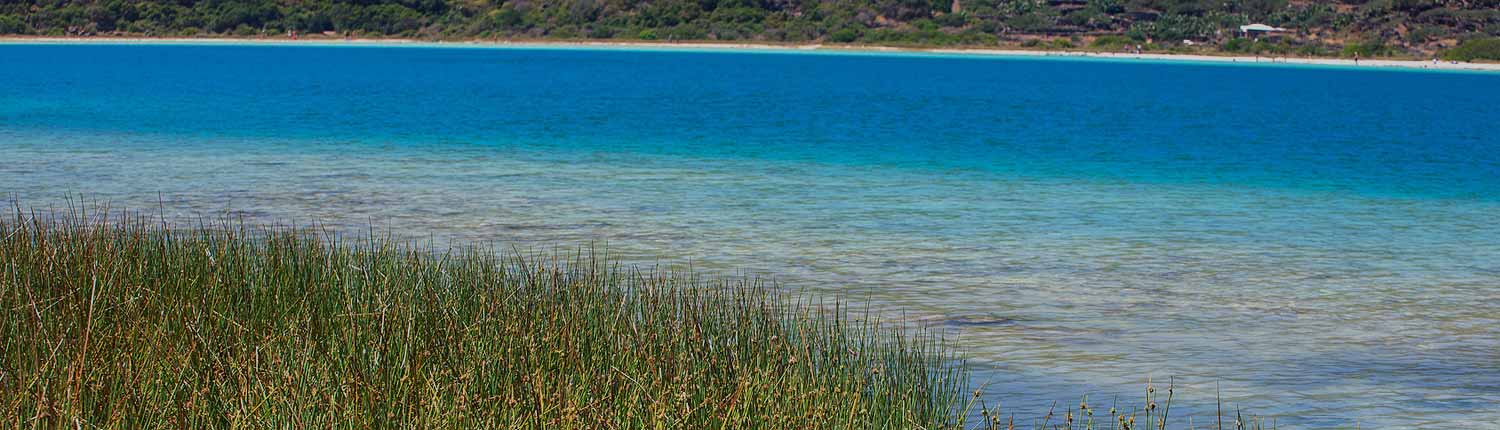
773	47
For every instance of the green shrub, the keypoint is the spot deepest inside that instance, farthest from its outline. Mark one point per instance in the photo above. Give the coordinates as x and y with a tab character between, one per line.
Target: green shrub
1110	42
952	20
1367	48
976	37
1265	46
564	32
12	25
1084	17
687	32
601	32
506	18
647	34
847	35
1475	49
1031	22
1238	44
244	30
1176	28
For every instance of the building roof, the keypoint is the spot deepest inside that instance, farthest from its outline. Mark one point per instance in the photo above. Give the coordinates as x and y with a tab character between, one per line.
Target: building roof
1260	27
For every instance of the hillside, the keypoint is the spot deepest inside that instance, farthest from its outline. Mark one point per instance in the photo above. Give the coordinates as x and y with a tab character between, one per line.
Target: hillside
1378	27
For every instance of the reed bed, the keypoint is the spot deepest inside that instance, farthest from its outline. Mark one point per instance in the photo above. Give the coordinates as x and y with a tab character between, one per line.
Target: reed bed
125	322
122	321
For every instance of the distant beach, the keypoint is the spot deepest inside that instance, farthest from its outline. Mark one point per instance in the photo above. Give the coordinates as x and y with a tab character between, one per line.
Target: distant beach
707	45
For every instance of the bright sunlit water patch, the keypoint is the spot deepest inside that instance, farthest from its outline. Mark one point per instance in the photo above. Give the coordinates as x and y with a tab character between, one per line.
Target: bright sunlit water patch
1322	243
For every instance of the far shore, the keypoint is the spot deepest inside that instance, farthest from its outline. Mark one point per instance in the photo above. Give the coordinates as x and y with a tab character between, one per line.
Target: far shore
711	45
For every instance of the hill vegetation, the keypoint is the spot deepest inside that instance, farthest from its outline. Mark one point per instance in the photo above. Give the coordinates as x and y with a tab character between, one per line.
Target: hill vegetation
1382	27
1475	49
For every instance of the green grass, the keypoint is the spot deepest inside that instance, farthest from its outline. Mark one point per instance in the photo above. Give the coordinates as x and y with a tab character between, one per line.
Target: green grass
1487	49
125	322
128	323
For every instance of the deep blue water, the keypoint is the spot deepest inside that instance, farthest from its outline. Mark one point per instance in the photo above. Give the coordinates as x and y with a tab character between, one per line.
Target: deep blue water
1322	242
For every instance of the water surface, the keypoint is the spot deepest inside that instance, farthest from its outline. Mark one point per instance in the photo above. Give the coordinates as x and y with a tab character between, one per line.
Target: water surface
1320	242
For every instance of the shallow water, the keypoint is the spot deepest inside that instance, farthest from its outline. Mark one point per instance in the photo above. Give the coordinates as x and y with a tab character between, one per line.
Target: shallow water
1321	243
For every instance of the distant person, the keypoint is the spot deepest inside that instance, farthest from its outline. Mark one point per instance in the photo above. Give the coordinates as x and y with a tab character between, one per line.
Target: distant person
1356	58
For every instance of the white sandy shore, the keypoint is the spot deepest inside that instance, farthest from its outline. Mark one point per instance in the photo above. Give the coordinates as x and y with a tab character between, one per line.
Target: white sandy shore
1405	64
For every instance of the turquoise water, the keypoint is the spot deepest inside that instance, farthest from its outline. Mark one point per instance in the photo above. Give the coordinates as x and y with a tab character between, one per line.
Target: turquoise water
1321	243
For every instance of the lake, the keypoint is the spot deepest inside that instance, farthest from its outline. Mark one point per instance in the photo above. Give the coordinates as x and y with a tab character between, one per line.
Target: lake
1319	243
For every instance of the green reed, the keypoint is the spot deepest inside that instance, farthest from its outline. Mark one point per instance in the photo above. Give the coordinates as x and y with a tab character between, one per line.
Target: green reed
126	322
121	321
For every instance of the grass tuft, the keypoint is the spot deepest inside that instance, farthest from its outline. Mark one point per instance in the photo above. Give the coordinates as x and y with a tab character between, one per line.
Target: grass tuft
119	321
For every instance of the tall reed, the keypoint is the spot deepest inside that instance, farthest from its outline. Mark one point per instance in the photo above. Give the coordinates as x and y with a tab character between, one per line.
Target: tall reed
128	322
